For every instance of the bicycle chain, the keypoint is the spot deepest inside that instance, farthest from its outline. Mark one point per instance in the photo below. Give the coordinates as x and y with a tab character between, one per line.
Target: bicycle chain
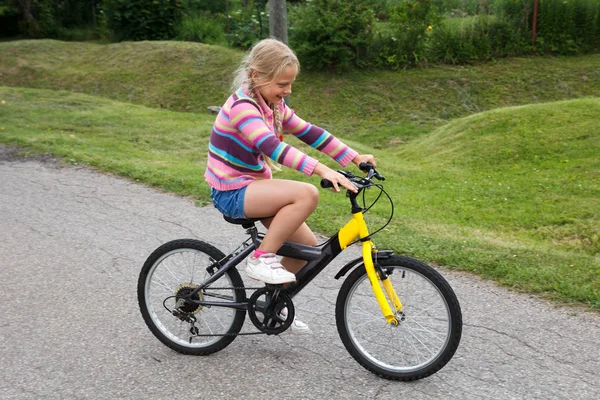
232	334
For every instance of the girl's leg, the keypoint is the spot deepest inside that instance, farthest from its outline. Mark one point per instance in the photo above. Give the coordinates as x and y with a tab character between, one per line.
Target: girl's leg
290	202
304	236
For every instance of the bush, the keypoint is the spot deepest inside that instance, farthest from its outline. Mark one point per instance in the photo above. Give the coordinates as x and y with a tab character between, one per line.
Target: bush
405	41
475	39
248	25
204	28
142	19
200	6
9	20
563	26
331	34
567	27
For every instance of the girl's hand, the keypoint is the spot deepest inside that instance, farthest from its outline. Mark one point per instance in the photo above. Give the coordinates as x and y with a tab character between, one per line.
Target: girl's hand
335	178
369	158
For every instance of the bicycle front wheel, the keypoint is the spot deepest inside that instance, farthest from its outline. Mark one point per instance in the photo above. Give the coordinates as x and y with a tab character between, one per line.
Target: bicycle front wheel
430	321
176	269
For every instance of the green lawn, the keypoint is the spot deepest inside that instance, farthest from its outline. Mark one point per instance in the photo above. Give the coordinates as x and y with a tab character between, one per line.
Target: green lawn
378	108
511	194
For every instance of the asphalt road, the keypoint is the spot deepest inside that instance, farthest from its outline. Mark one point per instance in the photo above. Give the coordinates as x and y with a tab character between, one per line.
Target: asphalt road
72	242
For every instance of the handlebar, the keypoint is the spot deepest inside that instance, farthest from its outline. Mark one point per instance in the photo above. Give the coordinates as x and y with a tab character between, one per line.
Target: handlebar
358	181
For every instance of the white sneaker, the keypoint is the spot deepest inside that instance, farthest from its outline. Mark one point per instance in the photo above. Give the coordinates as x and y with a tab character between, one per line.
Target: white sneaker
297	326
268	269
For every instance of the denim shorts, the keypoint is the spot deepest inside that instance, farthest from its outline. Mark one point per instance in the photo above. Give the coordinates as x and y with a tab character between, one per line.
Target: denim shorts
230	202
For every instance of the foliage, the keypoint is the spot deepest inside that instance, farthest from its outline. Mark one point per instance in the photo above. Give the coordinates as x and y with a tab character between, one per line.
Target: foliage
60	19
203	28
409	21
563	26
331	34
568	26
247	25
463	8
203	6
9	19
481	38
143	19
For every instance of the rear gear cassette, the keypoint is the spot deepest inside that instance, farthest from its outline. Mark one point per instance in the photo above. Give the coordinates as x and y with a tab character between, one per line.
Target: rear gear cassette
184	306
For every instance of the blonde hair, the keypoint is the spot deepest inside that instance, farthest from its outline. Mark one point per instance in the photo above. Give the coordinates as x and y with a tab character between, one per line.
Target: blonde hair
268	58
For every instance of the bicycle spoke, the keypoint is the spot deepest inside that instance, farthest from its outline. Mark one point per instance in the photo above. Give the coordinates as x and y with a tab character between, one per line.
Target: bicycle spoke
423	330
164	285
180	270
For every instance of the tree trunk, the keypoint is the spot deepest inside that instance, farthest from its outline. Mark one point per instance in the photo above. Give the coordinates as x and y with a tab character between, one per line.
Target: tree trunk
278	20
30	26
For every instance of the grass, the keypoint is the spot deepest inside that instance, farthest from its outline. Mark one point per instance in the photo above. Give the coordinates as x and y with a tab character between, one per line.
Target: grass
160	148
179	76
511	194
379	108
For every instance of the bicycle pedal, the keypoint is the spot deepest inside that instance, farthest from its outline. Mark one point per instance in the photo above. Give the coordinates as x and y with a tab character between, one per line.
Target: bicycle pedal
274	286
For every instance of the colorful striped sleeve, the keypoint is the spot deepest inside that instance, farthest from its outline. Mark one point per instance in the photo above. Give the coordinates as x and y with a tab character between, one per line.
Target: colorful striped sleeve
245	116
317	137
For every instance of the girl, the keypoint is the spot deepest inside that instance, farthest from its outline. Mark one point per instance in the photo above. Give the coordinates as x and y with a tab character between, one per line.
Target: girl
247	138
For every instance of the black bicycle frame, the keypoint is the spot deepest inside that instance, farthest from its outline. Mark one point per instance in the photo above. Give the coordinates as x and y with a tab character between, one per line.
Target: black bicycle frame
317	259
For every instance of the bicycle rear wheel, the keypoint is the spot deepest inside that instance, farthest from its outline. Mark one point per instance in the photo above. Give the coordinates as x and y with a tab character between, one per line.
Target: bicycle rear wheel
176	268
430	322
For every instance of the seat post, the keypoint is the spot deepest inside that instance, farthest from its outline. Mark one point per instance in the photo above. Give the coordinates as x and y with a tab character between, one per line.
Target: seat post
253	232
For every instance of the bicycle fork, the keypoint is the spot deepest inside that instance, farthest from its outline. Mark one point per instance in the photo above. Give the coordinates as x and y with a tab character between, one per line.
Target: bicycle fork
358	227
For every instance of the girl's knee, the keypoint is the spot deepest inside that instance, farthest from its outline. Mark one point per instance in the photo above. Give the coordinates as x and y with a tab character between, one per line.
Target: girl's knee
310	194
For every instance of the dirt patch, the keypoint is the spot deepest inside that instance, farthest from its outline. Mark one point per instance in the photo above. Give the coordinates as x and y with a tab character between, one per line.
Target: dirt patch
16	154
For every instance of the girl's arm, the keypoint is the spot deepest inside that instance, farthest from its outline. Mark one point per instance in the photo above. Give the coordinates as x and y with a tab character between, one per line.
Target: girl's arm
317	138
246	117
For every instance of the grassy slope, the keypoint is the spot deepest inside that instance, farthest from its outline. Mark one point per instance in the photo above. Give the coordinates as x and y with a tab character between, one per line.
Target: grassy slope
175	75
158	147
480	193
379	108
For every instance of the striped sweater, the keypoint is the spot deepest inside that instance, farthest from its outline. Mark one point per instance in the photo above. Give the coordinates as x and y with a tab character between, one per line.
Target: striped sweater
243	132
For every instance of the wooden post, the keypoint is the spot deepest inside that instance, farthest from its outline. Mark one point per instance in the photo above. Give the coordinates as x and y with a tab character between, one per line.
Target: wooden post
278	20
278	25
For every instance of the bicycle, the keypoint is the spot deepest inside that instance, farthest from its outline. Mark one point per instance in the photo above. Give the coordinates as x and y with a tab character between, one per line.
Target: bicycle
194	301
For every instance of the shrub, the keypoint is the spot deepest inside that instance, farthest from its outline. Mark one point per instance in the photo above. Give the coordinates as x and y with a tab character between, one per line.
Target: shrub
200	6
247	25
475	39
9	20
331	34
567	26
142	19
563	26
203	28
404	43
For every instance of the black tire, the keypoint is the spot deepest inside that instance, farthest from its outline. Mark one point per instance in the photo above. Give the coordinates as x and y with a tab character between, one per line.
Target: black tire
179	265
431	322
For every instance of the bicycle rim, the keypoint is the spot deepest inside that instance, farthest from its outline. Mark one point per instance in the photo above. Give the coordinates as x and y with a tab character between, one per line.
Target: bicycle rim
172	273
417	343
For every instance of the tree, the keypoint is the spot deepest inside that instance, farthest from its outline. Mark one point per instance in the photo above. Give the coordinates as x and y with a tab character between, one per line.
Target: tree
31	26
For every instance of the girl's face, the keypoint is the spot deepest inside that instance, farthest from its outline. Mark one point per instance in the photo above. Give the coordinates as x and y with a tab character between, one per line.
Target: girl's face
273	92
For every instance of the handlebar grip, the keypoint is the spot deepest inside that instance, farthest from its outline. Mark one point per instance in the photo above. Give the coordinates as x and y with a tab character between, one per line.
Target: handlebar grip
365	166
325	184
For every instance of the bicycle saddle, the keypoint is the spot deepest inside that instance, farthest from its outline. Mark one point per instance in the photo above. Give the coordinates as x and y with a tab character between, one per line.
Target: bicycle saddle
244	222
